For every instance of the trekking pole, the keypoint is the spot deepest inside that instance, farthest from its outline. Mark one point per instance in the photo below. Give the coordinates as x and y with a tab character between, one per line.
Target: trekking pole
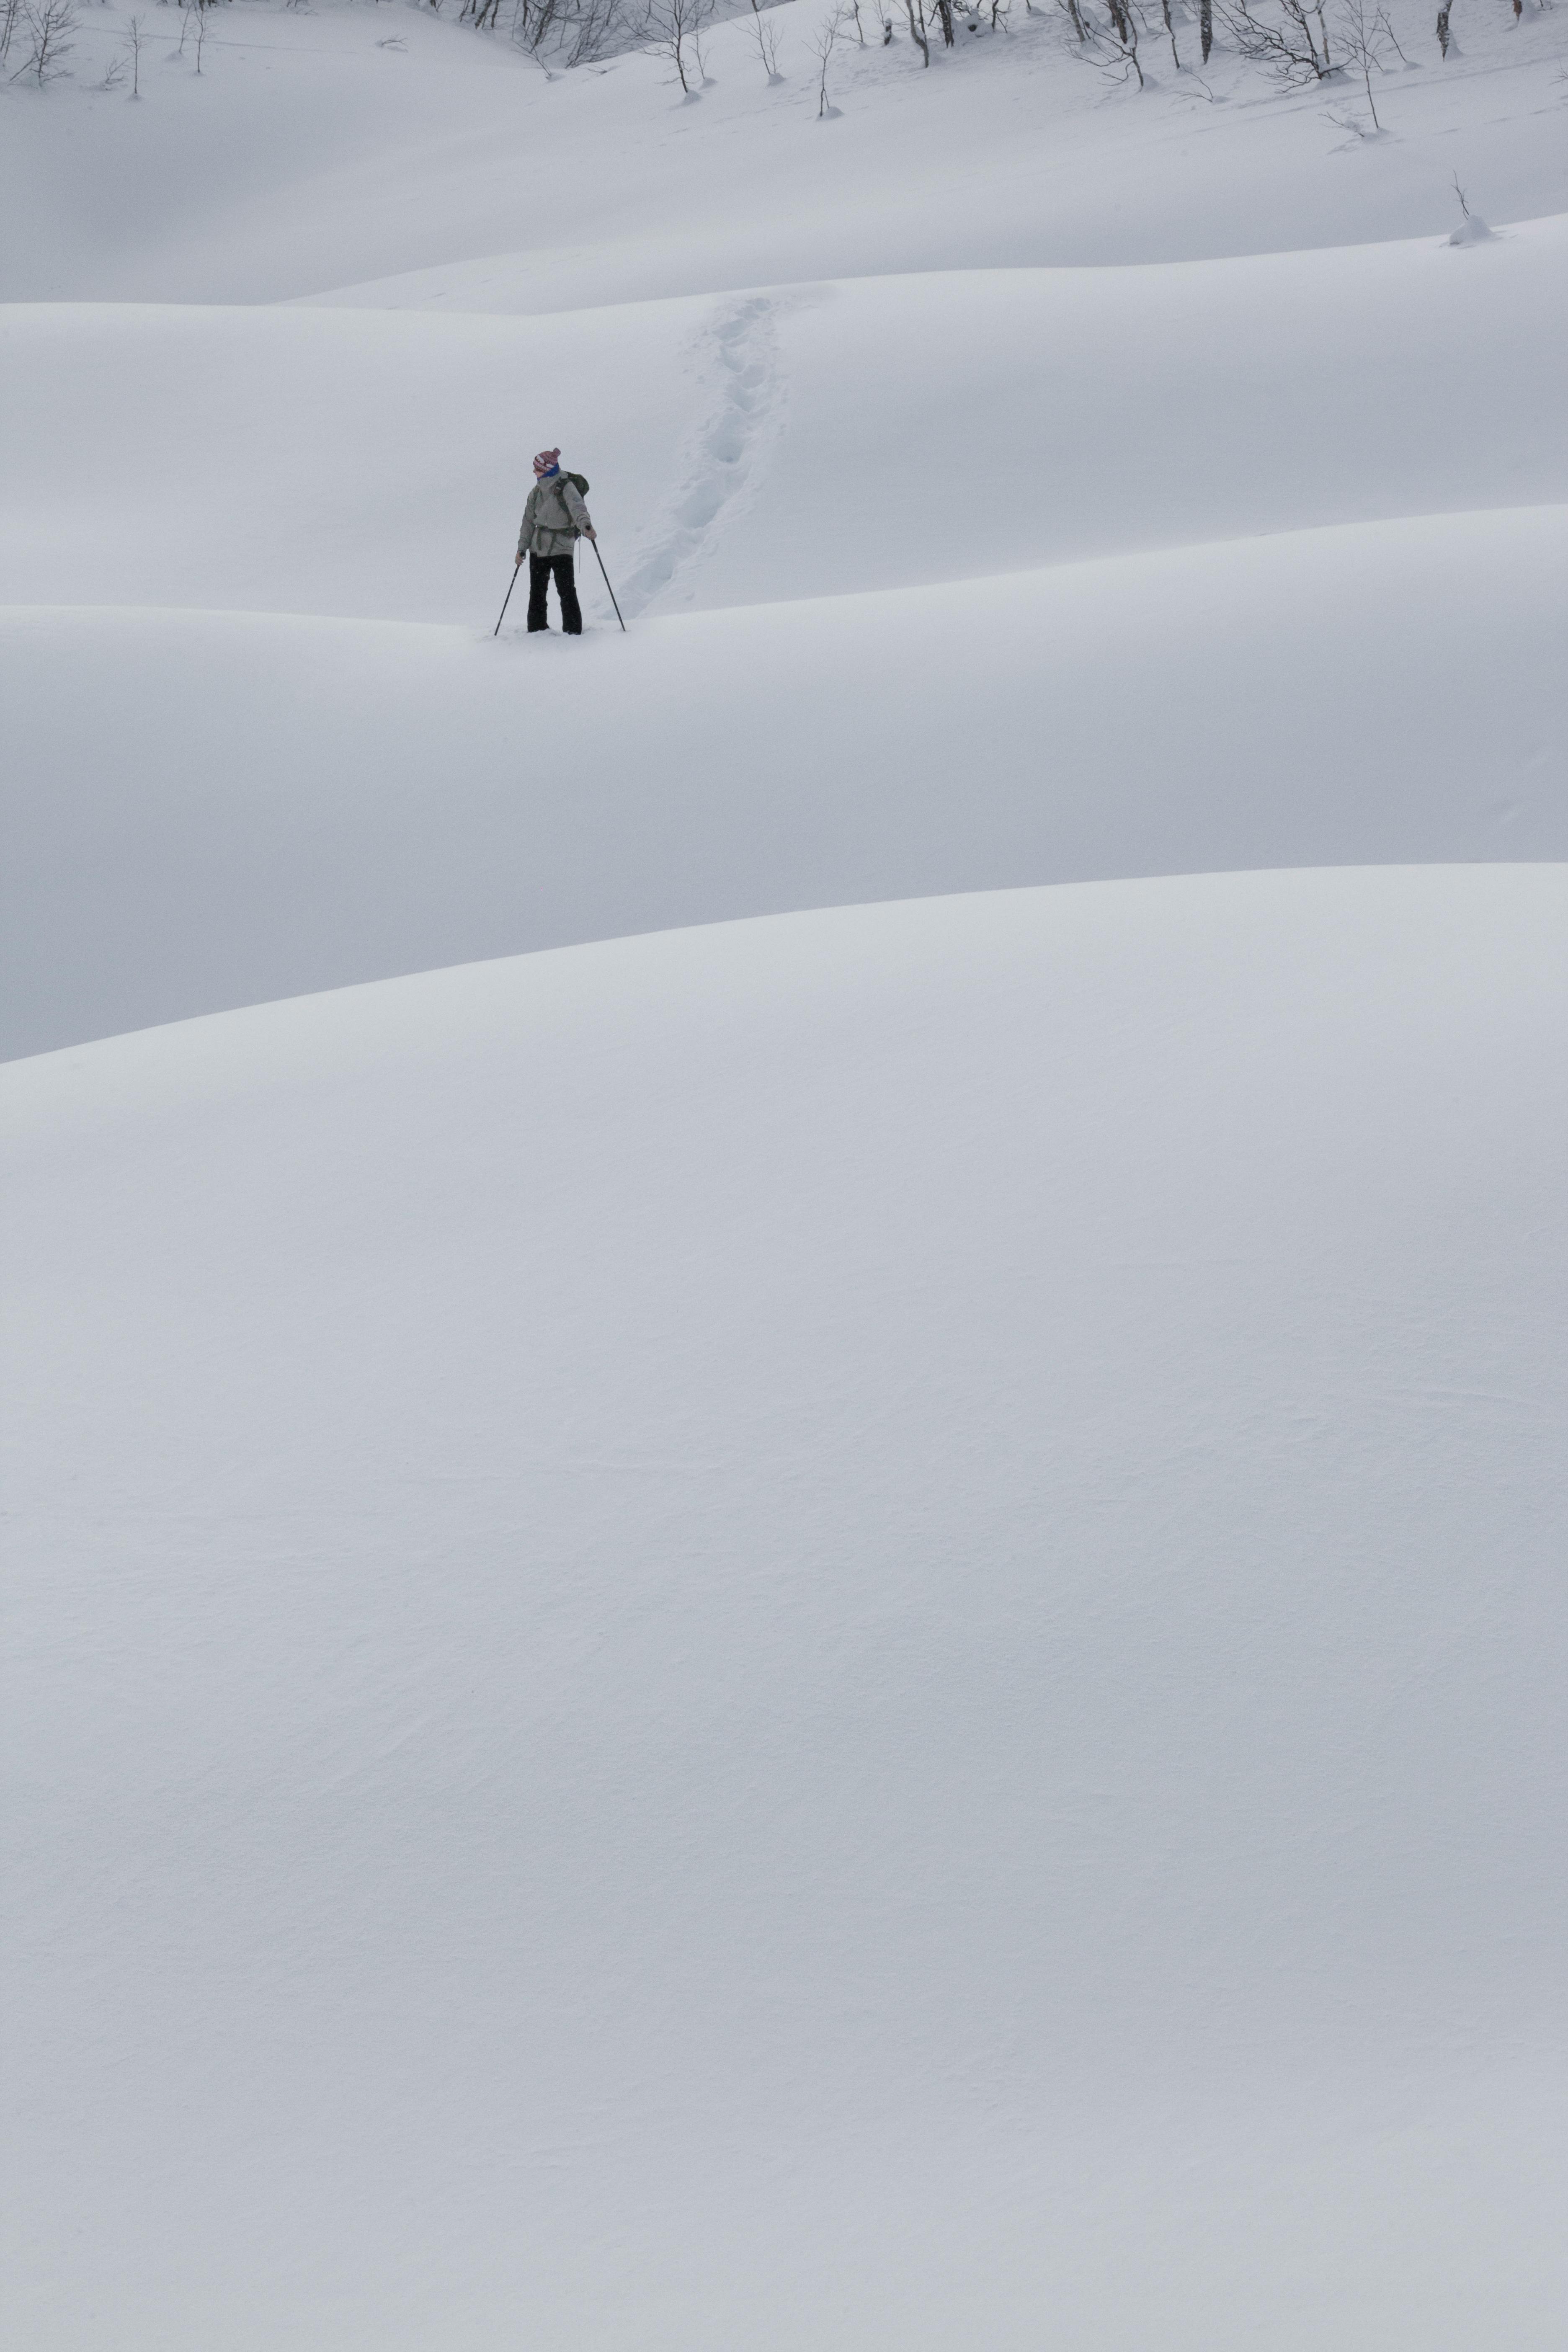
506	600
594	545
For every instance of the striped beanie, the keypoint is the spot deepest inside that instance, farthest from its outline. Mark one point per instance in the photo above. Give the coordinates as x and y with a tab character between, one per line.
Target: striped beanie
547	461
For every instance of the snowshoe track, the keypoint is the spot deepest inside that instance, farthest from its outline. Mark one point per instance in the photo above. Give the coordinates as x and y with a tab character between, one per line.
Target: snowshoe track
738	355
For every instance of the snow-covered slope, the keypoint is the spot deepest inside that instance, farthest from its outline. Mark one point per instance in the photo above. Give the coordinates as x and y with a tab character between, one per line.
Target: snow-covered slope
1122	410
785	354
842	1630
266	810
317	153
304	803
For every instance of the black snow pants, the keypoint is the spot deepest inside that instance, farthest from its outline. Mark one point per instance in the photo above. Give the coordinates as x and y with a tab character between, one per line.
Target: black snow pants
540	568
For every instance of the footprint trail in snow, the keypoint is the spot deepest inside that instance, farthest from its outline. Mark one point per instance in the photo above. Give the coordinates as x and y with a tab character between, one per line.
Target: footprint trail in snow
724	460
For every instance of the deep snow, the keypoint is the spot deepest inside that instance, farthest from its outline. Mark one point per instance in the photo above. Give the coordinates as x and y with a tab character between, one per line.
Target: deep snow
842	398
844	1629
315	803
841	1630
1122	410
1268	690
310	159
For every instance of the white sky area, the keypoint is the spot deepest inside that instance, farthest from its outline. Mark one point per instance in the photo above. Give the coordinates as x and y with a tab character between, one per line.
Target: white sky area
784	1404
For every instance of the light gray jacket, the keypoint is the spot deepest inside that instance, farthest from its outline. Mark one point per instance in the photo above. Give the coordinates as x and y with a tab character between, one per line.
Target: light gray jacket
552	518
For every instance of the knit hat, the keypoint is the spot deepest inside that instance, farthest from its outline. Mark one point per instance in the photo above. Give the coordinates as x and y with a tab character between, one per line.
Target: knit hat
547	461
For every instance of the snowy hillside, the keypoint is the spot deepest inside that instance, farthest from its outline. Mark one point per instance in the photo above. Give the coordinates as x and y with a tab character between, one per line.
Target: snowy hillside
786	354
829	1630
323	801
842	1629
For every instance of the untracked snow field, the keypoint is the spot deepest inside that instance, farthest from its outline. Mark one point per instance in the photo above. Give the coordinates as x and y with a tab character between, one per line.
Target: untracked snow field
785	1417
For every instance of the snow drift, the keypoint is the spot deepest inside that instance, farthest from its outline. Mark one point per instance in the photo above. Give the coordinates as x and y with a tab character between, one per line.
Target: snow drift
304	803
848	1629
371	463
795	1631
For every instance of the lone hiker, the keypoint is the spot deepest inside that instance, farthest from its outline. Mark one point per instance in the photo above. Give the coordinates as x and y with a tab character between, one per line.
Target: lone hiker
551	521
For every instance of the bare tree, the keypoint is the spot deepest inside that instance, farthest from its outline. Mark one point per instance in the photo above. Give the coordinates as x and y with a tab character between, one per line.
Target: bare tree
700	33
1170	34
765	39
920	31
823	41
1118	48
534	21
574	31
201	31
1292	43
1443	28
133	37
594	24
1205	27
47	26
1366	37
668	30
10	22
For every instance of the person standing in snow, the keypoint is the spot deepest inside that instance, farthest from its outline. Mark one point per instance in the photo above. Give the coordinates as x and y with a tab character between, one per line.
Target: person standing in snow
551	521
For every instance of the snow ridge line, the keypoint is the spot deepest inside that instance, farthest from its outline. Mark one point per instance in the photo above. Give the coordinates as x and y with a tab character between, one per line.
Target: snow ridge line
725	456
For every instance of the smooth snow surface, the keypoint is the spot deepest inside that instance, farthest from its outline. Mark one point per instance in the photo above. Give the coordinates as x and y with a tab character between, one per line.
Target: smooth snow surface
832	1619
843	1630
310	159
1400	380
320	802
989	330
1363	662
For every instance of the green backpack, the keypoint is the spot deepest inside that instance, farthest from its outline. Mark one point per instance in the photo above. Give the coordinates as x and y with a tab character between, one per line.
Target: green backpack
580	484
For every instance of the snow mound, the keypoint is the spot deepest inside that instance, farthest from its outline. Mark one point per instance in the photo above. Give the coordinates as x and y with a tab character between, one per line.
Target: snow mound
846	1630
788	1633
453	171
315	468
209	810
